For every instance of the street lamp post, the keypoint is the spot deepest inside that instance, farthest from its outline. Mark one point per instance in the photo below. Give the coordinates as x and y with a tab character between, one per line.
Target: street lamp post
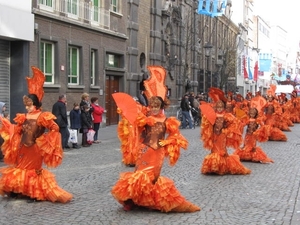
208	50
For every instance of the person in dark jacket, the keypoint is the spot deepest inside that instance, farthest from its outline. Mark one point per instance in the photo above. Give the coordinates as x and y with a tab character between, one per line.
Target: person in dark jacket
86	124
75	121
2	114
185	109
59	109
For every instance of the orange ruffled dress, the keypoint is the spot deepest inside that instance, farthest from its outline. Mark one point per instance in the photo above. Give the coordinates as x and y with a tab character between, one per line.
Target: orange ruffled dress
145	187
219	161
272	110
26	147
251	152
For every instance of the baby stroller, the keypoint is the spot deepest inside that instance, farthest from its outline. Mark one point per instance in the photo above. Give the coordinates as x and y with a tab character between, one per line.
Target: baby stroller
196	116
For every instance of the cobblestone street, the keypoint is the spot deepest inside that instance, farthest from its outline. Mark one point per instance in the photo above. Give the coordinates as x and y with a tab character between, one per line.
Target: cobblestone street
269	195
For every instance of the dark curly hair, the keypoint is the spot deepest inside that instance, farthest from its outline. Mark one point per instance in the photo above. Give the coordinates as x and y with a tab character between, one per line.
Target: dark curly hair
35	100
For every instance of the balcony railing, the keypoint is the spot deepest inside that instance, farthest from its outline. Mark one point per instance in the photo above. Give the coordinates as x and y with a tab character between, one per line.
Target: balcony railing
79	11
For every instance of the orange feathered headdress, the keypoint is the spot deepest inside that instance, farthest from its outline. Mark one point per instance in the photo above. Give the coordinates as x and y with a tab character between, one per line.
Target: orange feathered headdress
216	94
258	102
36	83
271	90
155	85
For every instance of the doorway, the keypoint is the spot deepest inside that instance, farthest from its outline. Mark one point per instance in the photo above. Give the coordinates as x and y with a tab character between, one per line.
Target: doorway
111	86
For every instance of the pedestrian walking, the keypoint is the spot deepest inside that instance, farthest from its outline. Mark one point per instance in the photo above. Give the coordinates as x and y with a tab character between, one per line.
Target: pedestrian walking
59	109
185	109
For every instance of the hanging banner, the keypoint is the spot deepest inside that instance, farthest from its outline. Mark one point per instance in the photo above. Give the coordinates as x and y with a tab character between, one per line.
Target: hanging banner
249	70
212	8
255	71
244	66
265	62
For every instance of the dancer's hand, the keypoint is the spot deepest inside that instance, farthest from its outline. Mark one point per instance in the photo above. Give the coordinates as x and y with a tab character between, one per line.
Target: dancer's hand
163	143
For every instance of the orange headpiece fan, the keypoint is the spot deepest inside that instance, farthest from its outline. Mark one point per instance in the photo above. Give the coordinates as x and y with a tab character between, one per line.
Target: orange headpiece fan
155	85
258	102
36	83
271	90
216	94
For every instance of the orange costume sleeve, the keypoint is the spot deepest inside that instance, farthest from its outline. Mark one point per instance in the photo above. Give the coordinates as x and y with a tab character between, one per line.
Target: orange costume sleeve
175	140
233	133
11	134
50	142
206	133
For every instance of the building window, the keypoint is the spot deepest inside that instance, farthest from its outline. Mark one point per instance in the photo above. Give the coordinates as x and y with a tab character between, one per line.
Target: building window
113	60
93	67
95	10
72	8
47	61
48	3
115	5
73	66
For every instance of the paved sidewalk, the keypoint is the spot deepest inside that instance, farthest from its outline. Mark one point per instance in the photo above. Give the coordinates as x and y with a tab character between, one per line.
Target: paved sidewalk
269	195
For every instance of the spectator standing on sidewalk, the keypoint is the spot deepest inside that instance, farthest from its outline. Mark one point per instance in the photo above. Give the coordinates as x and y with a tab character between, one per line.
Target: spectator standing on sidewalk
59	109
86	124
185	108
97	117
85	100
2	114
75	121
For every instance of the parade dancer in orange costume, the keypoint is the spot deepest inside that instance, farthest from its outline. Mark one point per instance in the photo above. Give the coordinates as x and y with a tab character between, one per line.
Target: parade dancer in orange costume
230	103
145	187
284	121
26	147
256	131
128	134
294	107
220	130
272	109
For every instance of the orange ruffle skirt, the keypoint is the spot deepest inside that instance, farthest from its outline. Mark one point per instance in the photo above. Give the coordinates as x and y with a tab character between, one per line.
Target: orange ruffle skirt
161	195
37	184
214	163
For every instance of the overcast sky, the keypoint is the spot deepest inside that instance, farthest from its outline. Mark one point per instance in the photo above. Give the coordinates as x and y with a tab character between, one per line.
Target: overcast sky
284	13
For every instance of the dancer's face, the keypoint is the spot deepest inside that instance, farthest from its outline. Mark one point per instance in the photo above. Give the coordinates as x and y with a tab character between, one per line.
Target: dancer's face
155	110
30	108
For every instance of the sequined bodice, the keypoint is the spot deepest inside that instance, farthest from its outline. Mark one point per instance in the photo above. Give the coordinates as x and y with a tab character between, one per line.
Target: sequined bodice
31	131
152	134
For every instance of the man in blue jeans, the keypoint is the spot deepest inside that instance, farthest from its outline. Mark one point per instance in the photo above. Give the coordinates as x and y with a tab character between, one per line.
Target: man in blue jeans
185	109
